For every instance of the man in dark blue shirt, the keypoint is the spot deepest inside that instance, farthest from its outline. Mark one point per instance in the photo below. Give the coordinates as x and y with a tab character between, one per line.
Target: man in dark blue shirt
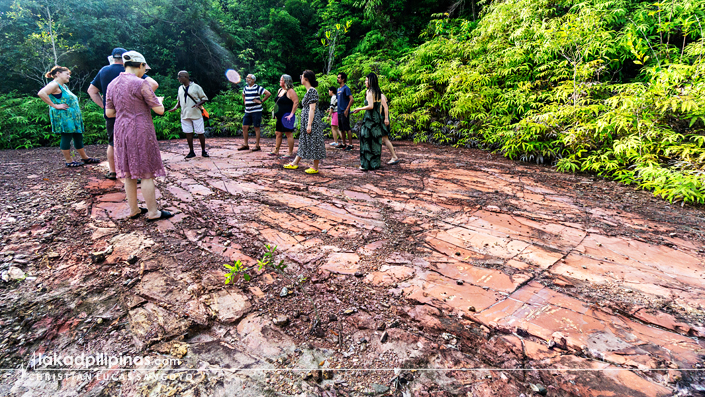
345	100
97	91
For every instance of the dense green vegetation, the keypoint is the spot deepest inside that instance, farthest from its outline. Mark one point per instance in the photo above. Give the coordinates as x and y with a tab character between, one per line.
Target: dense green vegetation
611	87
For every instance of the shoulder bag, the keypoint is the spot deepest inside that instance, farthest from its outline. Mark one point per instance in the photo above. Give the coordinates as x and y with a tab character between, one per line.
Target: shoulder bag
276	104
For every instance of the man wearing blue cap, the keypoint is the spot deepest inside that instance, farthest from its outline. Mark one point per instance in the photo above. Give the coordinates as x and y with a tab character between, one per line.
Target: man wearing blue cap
97	91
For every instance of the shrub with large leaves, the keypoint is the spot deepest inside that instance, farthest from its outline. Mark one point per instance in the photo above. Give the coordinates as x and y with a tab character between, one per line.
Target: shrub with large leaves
612	87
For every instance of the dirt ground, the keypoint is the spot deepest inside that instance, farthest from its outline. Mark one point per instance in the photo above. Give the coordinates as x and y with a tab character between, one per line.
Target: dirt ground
454	273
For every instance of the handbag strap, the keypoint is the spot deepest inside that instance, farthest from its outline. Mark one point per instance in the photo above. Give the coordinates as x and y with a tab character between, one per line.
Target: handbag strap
189	95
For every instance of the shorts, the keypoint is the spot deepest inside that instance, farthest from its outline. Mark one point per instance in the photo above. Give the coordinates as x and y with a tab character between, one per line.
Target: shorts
253	119
343	121
193	126
334	119
110	127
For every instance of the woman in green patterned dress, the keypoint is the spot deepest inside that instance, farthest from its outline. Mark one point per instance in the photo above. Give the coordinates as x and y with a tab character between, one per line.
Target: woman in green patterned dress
65	115
374	126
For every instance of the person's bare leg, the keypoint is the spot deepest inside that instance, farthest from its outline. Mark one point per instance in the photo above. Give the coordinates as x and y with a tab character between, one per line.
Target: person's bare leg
202	139
148	192
315	164
131	191
245	134
83	154
334	130
278	143
290	142
189	139
296	161
67	155
389	146
111	158
257	131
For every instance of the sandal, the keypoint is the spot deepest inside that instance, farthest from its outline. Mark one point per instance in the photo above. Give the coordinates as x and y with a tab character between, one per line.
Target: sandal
111	175
162	215
394	162
244	147
137	215
291	166
311	171
90	160
74	164
257	149
272	154
363	169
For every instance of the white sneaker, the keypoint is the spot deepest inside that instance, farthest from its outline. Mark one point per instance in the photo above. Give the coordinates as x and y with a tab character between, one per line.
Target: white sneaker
334	144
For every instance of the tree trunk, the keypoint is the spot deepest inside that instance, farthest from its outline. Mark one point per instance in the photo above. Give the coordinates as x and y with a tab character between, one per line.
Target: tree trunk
51	36
331	53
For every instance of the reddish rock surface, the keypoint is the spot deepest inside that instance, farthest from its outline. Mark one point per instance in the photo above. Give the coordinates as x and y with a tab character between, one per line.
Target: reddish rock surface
484	276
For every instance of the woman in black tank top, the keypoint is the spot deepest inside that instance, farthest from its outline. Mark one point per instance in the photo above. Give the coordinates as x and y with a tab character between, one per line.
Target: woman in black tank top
287	102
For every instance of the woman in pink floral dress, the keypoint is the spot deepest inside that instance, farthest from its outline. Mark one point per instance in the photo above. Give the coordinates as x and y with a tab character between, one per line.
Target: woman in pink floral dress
129	99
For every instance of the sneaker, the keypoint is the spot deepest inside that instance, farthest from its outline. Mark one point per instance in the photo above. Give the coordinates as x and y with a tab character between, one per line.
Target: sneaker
341	147
349	147
190	155
334	144
204	154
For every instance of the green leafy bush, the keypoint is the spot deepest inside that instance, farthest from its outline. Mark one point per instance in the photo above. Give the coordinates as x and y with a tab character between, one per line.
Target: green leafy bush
612	87
24	123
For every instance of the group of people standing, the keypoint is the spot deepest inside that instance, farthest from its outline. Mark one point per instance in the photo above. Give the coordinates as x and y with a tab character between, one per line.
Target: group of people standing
373	133
127	96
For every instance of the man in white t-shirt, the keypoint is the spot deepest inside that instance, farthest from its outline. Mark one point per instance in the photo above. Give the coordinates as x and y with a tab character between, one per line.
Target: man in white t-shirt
190	98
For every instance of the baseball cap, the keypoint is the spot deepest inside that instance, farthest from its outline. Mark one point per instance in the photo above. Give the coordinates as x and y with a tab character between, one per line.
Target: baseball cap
133	56
117	52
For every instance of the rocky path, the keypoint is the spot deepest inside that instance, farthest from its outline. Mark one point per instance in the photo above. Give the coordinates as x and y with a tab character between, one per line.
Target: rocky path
455	273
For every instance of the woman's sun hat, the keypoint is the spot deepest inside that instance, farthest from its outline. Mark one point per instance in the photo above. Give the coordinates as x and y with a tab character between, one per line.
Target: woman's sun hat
134	56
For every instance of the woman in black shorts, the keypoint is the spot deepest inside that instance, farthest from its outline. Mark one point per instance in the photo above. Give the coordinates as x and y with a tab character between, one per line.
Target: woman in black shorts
287	102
